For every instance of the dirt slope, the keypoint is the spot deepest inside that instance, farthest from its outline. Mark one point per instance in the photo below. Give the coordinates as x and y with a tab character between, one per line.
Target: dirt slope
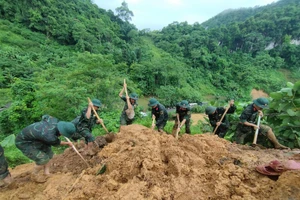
143	164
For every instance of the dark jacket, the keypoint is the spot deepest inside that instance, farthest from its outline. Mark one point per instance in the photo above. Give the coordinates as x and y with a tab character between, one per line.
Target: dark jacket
183	114
160	113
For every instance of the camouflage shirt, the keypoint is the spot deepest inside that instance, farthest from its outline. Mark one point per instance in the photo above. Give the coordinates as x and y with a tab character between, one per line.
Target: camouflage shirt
84	122
45	131
183	114
249	114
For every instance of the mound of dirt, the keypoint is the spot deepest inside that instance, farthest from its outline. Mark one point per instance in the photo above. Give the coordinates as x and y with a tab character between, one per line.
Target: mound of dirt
144	164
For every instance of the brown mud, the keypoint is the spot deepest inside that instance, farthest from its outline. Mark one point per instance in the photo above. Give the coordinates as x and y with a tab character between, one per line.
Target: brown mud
144	164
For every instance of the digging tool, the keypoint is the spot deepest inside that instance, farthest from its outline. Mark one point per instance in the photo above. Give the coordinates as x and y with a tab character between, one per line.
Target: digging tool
256	131
129	112
98	117
221	119
152	123
177	131
77	152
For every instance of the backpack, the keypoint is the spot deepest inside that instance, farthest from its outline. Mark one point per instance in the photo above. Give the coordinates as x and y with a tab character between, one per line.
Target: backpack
130	113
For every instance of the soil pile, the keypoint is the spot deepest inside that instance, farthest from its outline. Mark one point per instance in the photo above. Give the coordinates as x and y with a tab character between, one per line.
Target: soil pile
144	164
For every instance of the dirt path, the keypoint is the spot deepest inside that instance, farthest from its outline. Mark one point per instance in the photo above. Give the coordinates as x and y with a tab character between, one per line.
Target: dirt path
198	116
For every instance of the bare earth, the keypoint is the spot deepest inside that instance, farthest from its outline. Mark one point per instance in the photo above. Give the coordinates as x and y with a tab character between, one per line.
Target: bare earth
144	164
198	117
258	93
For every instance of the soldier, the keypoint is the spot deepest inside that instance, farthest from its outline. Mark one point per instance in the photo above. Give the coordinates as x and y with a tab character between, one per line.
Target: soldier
248	125
159	113
35	140
5	177
85	123
215	114
183	116
133	97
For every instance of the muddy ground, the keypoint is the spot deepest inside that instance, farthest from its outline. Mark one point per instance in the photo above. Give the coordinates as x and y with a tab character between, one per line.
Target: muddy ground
144	164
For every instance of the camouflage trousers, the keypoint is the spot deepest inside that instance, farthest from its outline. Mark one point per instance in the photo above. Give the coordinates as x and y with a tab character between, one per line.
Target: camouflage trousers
37	151
243	131
187	126
3	165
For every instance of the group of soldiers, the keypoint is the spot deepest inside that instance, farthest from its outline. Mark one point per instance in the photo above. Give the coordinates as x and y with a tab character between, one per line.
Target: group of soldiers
35	140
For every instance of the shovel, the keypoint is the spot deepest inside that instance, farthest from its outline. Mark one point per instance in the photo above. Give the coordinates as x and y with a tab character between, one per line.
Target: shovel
256	131
221	119
177	131
152	123
98	117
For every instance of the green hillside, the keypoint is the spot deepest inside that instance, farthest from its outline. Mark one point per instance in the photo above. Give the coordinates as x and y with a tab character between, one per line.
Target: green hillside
55	54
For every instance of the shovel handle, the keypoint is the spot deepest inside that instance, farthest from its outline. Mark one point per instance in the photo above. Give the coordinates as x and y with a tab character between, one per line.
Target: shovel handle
98	116
152	122
256	131
221	119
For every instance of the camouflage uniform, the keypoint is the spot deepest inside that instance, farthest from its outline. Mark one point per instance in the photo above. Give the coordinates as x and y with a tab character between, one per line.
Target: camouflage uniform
35	140
124	120
183	114
249	114
84	127
3	165
216	117
161	115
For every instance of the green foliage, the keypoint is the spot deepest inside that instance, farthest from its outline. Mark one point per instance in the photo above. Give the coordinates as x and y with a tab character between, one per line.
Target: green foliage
198	109
284	114
55	54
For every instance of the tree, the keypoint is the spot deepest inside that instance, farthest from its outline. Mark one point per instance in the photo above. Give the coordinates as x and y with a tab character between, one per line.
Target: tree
124	13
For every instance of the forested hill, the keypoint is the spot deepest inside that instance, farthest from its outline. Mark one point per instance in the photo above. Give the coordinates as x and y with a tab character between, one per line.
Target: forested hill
240	15
55	53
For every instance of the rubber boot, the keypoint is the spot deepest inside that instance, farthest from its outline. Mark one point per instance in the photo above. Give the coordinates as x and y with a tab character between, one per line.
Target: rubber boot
274	140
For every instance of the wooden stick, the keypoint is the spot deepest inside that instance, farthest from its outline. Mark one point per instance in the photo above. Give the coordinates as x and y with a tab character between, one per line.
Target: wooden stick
221	119
256	131
76	181
98	117
77	152
152	122
177	131
130	109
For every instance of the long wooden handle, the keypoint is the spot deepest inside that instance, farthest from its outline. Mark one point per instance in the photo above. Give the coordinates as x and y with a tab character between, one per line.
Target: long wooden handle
152	121
256	131
77	152
98	117
177	131
221	119
127	99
